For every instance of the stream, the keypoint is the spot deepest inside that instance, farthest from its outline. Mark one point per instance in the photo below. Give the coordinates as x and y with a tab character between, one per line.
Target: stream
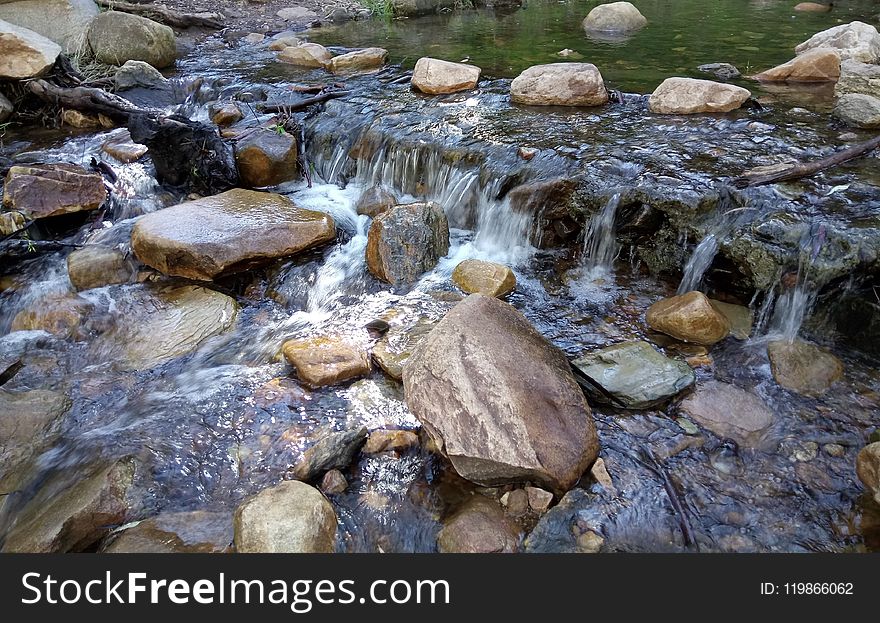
219	423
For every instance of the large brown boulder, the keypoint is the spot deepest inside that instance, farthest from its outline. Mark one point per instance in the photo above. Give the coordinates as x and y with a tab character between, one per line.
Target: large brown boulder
44	190
819	65
499	400
116	38
803	368
406	241
614	17
266	157
227	233
434	76
688	96
479	527
856	40
559	84
23	53
689	317
289	518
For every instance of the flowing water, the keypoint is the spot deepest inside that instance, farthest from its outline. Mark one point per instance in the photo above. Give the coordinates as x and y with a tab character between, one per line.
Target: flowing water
219	423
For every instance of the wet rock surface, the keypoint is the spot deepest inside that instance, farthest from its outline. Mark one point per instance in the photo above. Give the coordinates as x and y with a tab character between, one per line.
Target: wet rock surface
480	527
492	423
325	360
689	317
615	17
688	96
194	532
40	191
729	412
407	240
267	157
478	276
559	84
435	76
803	367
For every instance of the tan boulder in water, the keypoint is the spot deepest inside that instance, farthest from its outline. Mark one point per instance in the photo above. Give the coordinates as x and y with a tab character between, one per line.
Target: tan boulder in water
227	233
812	7
855	40
44	190
803	368
690	318
688	96
406	241
614	17
368	59
435	76
375	200
819	65
321	361
497	425
305	55
479	527
266	157
489	278
95	266
559	84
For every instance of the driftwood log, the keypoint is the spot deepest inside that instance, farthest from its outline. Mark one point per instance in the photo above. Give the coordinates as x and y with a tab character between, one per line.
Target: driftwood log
85	99
163	14
806	169
301	104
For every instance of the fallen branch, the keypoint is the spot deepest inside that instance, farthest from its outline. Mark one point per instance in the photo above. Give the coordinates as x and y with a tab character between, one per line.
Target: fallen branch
806	169
165	15
85	99
305	103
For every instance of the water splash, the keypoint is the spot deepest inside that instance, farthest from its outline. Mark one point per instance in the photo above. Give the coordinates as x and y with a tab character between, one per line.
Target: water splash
600	244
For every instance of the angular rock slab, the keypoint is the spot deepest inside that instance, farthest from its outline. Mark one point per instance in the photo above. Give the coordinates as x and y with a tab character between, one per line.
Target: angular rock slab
689	96
729	412
227	233
44	190
23	53
559	84
499	400
333	451
289	518
636	374
434	76
856	40
803	368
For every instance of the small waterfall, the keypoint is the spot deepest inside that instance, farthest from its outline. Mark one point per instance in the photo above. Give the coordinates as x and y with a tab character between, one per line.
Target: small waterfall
699	263
600	245
792	307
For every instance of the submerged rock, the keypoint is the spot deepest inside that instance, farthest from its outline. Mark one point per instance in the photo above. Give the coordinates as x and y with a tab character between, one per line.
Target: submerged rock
479	527
559	84
96	266
688	96
154	325
614	17
225	114
334	482
64	22
856	40
368	59
289	518
138	74
397	346
858	77
812	7
406	241
434	76
489	278
23	53
858	110
333	451
321	361
305	55
67	516
116	38
722	71
194	532
498	425
227	233
636	374
58	314
803	368
43	190
729	412
868	468
376	200
390	441
124	149
818	65
286	41
267	157
29	423
689	317
740	318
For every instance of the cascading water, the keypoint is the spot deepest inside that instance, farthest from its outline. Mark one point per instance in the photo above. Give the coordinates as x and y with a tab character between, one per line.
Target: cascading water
600	245
698	264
